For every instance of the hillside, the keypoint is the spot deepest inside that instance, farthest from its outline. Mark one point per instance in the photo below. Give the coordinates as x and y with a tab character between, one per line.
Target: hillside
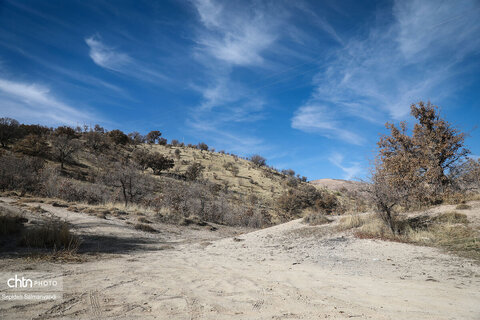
250	179
106	168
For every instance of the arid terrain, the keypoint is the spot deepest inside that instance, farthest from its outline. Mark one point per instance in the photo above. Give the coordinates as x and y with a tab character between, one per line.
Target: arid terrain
289	271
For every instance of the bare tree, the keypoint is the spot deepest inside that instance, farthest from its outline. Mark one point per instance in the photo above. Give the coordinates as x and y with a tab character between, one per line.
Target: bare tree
202	146
118	137
64	148
133	184
136	138
466	176
258	160
153	136
96	141
8	131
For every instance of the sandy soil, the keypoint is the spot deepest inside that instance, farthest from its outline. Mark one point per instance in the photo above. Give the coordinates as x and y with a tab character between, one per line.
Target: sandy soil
290	271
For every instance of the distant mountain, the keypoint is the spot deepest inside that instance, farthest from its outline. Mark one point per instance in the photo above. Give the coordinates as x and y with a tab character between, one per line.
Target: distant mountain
338	184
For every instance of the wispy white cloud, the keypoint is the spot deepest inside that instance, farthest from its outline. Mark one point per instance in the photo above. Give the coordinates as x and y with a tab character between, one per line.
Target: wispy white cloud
36	103
318	20
323	120
351	171
378	77
428	29
113	59
107	57
230	36
235	36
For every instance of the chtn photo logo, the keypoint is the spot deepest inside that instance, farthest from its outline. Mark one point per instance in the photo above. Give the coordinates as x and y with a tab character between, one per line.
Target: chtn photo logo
17	282
22	282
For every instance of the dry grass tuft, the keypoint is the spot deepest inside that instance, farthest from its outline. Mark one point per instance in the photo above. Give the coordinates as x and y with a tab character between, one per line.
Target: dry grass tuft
352	221
10	224
463	206
37	209
30	200
375	228
144	220
448	230
51	234
145	227
193	220
451	217
315	218
459	239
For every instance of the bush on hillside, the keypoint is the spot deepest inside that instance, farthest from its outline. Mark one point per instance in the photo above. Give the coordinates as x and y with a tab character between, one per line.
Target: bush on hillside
9	131
258	160
194	171
33	145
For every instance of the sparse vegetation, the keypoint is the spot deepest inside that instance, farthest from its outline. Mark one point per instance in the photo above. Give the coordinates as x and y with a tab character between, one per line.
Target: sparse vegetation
10	223
153	136
118	137
145	227
194	171
51	234
352	221
258	160
315	218
448	230
294	200
202	146
9	130
64	147
33	145
463	206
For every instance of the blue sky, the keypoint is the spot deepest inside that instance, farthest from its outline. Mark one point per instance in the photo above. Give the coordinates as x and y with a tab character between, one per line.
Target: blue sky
308	85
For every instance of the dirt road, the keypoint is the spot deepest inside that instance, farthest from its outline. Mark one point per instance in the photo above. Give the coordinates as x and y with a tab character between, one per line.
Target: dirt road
290	271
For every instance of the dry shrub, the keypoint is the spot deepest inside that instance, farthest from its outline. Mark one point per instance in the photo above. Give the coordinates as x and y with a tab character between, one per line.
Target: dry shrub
51	234
315	218
463	206
457	238
294	200
209	202
10	224
144	220
448	231
166	215
145	227
451	217
252	217
375	228
27	199
352	221
193	220
20	173
56	186
454	198
132	186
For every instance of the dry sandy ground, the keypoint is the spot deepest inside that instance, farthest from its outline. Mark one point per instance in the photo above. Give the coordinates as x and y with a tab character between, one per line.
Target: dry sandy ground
290	271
